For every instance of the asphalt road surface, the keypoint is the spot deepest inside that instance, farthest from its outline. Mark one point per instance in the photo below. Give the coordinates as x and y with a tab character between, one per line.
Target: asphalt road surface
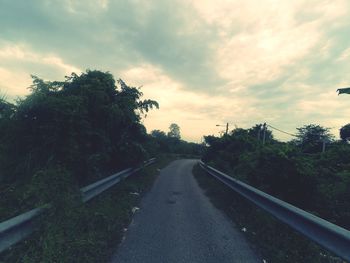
177	223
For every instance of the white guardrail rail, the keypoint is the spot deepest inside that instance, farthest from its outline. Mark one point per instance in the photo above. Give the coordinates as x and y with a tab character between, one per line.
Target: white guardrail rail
328	235
17	228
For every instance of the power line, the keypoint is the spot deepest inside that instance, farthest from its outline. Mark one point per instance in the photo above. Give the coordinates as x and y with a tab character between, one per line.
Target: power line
291	134
288	133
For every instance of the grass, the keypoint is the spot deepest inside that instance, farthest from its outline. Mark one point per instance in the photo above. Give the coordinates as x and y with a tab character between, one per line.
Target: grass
77	232
275	241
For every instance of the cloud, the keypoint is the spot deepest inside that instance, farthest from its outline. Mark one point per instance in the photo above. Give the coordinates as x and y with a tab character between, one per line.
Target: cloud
120	33
21	54
206	62
196	113
18	62
260	41
13	84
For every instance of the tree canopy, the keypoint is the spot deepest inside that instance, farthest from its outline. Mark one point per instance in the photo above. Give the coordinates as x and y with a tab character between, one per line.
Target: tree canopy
343	91
345	132
89	123
311	137
174	131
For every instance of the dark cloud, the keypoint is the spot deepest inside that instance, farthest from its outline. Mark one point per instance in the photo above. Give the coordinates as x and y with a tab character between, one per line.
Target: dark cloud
124	34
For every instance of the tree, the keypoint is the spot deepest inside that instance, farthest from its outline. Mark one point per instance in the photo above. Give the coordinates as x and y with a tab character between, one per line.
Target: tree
345	132
158	134
168	144
343	91
6	109
257	132
312	136
174	131
88	123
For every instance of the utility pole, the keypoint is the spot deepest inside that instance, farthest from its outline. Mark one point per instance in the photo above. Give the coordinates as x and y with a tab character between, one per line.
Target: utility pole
218	125
323	145
264	133
259	132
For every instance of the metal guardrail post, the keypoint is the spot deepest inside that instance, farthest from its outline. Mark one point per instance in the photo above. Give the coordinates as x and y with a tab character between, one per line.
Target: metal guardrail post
327	234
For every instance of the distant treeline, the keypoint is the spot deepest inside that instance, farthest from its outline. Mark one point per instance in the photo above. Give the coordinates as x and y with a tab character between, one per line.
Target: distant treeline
296	171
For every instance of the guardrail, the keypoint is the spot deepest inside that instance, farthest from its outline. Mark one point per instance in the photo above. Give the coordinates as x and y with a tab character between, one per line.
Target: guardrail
92	190
328	235
17	228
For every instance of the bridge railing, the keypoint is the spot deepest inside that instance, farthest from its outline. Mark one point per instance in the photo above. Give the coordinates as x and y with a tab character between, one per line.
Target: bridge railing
18	228
327	234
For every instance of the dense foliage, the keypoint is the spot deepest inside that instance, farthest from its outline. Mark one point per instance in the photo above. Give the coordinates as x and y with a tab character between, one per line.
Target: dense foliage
311	137
345	132
297	172
86	124
171	142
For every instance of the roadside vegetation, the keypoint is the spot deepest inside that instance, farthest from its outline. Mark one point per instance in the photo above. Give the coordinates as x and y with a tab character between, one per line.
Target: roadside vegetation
65	135
76	232
298	172
274	241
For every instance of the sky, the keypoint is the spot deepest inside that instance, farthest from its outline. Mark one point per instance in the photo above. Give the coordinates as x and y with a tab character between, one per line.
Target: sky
206	62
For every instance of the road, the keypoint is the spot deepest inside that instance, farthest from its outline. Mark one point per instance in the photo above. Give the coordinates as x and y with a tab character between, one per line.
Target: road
177	223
